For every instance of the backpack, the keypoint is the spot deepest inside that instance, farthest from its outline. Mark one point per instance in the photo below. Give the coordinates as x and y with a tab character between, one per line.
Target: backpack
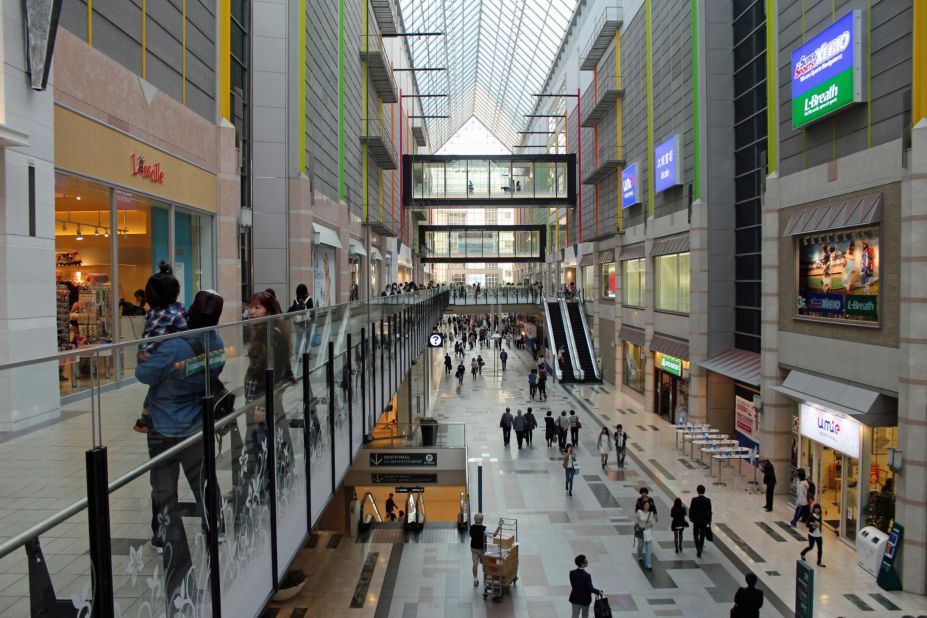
224	399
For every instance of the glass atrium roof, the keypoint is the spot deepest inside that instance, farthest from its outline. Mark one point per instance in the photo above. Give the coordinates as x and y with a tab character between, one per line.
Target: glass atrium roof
497	53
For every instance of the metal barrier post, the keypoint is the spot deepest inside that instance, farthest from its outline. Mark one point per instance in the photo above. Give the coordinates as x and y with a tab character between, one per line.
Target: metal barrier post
307	437
363	373
479	488
349	384
101	552
330	376
211	501
378	411
270	421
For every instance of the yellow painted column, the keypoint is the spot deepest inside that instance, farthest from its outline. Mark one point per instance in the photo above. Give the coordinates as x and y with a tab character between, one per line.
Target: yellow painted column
90	23
919	63
225	59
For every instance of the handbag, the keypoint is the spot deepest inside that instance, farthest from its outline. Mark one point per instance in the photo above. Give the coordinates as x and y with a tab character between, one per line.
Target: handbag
579	424
601	608
709	535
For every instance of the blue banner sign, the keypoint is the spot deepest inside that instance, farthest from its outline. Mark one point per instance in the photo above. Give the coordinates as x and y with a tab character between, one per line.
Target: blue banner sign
666	165
630	190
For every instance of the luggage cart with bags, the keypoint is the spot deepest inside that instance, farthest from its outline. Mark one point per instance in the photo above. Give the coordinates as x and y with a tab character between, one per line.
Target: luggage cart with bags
500	561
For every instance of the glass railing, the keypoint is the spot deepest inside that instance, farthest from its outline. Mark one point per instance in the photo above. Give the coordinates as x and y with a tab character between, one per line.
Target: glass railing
502	294
203	514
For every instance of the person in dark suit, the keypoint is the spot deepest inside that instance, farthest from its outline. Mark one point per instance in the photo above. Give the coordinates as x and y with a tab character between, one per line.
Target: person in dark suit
749	600
700	516
769	479
581	588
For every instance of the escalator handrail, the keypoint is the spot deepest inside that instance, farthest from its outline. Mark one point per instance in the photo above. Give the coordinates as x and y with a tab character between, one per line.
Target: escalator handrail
550	336
420	516
368	497
585	325
578	371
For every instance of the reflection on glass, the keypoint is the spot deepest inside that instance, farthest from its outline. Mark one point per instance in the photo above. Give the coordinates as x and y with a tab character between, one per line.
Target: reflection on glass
489	244
434	180
478	179
522	178
561	179
545	179
418	179
457	179
506	244
193	256
500	178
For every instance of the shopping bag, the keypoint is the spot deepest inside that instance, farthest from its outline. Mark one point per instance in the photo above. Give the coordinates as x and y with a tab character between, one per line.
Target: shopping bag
709	535
601	608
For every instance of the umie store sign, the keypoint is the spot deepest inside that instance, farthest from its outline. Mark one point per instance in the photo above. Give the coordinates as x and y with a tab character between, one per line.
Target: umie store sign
827	71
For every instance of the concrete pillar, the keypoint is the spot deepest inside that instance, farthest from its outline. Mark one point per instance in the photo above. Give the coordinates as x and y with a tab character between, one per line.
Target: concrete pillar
910	505
776	415
699	307
228	210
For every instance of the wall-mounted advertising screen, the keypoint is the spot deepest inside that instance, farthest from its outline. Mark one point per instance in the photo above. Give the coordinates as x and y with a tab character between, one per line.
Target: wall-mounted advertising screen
838	275
827	71
666	165
630	191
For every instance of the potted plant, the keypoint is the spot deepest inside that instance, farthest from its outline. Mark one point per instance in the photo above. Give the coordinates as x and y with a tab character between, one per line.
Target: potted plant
429	427
293	582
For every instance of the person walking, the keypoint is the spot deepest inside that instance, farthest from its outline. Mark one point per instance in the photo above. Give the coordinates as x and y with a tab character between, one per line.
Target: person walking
700	516
815	536
769	479
645	497
643	535
519	424
621	445
581	588
474	367
503	358
801	497
461	372
575	426
749	600
563	426
532	383
506	424
542	385
679	523
604	446
479	363
550	428
532	424
390	508
477	545
447	363
570	466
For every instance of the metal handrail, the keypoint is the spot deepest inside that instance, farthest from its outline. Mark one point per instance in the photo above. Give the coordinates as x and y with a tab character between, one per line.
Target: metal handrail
368	497
571	344
558	370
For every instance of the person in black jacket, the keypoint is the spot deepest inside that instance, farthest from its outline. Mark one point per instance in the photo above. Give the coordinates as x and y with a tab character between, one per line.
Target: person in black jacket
749	600
769	479
700	516
645	497
581	588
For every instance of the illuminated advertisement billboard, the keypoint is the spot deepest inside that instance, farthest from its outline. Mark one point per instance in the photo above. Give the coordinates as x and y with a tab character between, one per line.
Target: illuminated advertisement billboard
827	71
630	189
666	164
838	275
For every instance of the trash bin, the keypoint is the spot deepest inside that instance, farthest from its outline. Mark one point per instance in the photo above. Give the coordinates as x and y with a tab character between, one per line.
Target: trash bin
870	546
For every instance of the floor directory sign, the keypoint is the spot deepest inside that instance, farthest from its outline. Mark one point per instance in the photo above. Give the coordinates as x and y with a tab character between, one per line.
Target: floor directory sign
889	578
804	590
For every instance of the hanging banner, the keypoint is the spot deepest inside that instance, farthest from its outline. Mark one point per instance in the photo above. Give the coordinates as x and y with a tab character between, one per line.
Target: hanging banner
746	423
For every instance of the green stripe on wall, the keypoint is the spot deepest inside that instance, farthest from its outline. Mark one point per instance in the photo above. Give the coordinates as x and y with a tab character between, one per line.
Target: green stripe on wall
696	181
650	178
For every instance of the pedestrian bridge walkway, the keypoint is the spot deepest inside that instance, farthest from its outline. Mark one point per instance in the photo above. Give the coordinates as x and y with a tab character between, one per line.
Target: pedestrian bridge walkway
496	295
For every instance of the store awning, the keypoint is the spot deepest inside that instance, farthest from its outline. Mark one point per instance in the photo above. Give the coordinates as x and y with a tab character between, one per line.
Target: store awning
357	247
670	346
375	255
740	365
867	406
853	212
670	245
632	252
326	236
631	334
405	255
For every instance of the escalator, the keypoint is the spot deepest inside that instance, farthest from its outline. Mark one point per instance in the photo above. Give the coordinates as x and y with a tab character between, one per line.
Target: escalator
583	342
557	333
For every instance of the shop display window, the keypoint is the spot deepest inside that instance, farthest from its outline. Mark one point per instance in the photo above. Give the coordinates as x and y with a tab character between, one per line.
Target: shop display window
609	280
672	278
634	364
633	282
588	273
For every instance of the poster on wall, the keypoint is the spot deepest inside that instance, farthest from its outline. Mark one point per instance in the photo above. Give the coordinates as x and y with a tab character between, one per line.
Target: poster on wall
325	276
838	275
746	423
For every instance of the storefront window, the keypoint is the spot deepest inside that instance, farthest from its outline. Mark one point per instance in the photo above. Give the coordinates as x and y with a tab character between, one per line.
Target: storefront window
672	276
588	282
634	363
632	277
609	280
879	510
838	275
193	256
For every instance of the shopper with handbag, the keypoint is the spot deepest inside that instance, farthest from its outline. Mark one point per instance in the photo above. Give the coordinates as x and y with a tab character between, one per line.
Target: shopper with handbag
679	523
570	466
700	516
581	588
643	535
550	429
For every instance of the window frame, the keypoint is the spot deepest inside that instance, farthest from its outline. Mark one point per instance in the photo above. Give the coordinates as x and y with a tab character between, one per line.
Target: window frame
641	280
658	282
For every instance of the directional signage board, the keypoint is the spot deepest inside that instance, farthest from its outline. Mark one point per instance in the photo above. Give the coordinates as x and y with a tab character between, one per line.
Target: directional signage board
382	460
409	490
436	340
392	478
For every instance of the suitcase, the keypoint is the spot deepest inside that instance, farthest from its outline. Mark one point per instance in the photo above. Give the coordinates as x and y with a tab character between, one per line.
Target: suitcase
601	608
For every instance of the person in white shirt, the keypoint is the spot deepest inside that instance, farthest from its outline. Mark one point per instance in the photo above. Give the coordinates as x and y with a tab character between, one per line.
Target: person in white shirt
801	497
643	535
604	446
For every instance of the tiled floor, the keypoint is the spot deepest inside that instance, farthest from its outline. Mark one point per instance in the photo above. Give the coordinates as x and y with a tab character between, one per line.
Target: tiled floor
431	576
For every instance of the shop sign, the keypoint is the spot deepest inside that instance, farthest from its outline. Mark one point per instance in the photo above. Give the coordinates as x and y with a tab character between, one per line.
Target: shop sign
827	71
666	165
671	365
391	478
831	428
152	172
630	192
378	460
746	422
838	275
804	590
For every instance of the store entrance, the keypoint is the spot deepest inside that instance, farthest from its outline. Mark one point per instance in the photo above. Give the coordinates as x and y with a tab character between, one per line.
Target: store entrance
672	397
837	481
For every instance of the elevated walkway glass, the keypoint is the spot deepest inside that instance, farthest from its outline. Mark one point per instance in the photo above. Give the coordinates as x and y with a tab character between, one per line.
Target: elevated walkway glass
482	243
